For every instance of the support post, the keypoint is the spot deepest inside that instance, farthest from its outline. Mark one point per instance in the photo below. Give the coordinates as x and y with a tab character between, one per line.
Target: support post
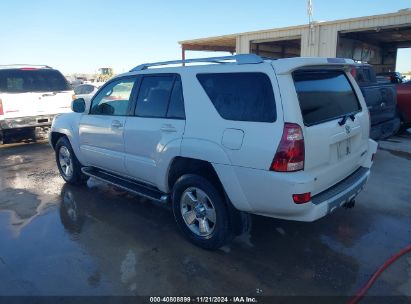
183	53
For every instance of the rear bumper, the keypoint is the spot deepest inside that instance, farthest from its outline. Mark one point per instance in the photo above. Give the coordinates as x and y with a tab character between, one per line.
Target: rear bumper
270	194
385	129
26	122
341	193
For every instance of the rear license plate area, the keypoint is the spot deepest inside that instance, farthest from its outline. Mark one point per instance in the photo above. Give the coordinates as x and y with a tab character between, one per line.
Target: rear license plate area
42	120
344	148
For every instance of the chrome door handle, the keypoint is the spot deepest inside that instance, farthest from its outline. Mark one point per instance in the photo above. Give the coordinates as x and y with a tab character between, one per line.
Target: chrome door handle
116	124
168	128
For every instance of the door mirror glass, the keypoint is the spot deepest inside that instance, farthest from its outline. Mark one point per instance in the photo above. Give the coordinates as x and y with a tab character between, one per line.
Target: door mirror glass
78	105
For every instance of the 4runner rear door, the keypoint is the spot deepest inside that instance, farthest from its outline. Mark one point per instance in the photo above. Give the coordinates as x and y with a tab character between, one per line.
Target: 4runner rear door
158	120
335	124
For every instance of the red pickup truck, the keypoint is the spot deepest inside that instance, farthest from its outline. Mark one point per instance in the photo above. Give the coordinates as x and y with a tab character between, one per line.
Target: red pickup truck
404	104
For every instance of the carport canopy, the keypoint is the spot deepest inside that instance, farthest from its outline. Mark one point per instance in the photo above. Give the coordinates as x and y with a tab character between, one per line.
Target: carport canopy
225	43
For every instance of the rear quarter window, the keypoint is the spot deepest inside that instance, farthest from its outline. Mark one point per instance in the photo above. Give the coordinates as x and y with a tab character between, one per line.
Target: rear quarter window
324	95
240	96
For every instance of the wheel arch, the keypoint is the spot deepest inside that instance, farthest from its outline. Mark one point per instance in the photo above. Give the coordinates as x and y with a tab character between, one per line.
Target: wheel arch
180	166
55	136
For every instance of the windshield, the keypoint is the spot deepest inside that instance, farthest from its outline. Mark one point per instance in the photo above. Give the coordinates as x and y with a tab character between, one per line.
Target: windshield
38	80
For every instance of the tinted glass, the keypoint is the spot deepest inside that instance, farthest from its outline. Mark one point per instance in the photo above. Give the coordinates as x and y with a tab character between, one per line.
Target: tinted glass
364	75
87	89
78	90
113	99
324	95
154	95
241	96
176	106
38	80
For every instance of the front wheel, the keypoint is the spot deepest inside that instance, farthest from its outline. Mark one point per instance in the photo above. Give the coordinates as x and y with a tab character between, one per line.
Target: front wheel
67	163
201	212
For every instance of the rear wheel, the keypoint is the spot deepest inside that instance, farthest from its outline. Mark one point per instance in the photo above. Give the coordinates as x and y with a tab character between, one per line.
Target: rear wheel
67	163
201	212
403	127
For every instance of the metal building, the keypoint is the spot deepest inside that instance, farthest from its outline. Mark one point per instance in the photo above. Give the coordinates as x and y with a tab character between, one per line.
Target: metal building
374	39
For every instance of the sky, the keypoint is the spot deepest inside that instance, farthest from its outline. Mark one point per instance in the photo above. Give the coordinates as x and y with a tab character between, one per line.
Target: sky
81	36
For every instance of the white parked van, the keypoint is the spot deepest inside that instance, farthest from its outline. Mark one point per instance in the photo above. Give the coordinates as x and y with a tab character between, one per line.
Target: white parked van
285	138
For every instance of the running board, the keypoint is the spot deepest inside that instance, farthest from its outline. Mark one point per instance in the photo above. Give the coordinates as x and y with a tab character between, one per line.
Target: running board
141	189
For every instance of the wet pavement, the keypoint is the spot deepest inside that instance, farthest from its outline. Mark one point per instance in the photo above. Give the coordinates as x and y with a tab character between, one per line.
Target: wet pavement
57	239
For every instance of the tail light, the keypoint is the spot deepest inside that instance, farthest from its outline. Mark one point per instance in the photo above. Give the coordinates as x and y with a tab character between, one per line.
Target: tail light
353	72
1	107
290	153
302	198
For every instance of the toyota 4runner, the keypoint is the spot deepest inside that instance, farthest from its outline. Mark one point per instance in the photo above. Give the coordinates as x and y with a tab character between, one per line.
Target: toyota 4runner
241	135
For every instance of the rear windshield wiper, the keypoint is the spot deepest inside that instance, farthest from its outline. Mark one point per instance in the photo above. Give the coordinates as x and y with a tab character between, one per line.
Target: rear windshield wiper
345	118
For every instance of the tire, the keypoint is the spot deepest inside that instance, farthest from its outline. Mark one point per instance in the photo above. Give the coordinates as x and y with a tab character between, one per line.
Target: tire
3	139
31	133
197	201
68	164
403	127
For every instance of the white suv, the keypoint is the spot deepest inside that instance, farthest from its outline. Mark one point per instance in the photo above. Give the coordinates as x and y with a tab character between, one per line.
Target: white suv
284	138
30	97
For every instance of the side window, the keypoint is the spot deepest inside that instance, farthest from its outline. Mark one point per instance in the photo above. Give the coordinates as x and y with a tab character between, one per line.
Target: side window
241	96
154	95
87	89
78	90
113	99
364	75
176	106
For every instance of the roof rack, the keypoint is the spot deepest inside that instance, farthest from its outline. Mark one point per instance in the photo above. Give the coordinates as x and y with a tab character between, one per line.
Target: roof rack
23	65
239	59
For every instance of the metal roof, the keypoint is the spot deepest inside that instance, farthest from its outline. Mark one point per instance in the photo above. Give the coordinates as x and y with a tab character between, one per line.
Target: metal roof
228	42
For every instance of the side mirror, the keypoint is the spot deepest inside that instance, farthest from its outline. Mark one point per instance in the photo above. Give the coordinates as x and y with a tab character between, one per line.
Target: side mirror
78	105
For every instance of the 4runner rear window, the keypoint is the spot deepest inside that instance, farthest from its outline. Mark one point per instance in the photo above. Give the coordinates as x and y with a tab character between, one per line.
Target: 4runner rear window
241	96
324	95
37	80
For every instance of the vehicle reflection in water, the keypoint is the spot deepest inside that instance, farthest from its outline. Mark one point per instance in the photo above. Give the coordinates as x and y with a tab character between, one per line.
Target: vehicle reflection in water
70	215
137	243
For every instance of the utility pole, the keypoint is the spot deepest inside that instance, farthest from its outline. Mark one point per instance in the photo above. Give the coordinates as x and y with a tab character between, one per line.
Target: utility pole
310	11
311	29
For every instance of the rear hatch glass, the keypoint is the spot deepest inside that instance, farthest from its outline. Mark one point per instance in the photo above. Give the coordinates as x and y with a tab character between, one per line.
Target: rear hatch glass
36	80
324	95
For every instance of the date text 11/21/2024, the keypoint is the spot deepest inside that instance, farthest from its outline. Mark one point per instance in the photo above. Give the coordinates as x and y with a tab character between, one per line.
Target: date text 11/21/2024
235	299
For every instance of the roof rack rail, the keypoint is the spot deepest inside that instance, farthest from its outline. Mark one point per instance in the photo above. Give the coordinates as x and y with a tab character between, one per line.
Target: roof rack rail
239	59
23	65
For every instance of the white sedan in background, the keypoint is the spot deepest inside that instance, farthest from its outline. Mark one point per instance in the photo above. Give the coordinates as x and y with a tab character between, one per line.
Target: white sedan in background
86	91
